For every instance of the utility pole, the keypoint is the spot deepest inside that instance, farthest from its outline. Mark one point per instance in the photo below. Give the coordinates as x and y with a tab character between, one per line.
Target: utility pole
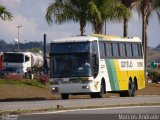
19	26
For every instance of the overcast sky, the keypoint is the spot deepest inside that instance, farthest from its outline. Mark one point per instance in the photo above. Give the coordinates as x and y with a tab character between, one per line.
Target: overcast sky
31	15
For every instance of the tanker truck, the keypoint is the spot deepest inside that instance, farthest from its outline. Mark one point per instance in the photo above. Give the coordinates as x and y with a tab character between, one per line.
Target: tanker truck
1	60
31	63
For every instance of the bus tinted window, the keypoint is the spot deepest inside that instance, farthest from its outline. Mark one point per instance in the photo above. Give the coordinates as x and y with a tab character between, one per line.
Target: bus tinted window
109	50
72	47
122	50
115	50
129	50
94	48
102	50
135	50
60	48
140	50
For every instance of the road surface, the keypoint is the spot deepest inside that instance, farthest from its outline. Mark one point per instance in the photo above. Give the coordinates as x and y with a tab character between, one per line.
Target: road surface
74	103
116	113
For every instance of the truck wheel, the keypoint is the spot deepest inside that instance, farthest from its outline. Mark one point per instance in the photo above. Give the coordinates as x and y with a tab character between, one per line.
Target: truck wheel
64	96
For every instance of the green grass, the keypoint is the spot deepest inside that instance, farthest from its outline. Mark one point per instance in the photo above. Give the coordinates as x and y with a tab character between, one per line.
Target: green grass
28	82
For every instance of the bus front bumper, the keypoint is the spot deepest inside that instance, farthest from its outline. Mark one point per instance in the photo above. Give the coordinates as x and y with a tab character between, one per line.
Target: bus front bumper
74	88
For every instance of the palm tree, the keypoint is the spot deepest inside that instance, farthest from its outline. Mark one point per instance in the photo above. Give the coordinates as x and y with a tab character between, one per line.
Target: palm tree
68	10
146	8
105	10
129	4
5	14
83	11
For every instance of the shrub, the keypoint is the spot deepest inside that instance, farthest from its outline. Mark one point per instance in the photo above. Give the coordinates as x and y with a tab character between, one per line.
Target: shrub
154	76
44	79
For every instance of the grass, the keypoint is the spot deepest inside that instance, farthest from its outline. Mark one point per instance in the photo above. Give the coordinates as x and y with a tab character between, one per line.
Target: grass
28	82
24	90
12	90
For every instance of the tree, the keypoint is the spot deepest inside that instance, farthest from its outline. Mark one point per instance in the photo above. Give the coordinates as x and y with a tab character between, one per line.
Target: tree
5	14
105	10
129	4
94	12
68	10
146	8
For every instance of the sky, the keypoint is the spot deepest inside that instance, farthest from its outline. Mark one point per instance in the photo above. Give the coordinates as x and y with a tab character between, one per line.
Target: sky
31	15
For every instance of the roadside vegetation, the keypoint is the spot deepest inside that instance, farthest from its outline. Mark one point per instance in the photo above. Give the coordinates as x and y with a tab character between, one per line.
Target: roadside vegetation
21	90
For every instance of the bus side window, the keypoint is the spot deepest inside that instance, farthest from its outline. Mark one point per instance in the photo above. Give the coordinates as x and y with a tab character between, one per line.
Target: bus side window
129	50
102	49
135	50
140	50
115	50
122	50
108	49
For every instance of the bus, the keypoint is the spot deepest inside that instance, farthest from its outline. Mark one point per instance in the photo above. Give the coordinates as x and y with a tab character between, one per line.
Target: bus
96	64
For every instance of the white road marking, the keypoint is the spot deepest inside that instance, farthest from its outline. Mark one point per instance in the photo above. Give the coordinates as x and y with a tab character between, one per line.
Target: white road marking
92	109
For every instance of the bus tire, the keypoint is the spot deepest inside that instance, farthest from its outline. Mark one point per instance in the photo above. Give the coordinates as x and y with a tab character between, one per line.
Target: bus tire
130	92
93	95
64	96
102	91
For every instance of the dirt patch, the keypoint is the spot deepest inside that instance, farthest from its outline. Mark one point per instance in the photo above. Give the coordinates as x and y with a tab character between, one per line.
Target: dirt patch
22	92
150	89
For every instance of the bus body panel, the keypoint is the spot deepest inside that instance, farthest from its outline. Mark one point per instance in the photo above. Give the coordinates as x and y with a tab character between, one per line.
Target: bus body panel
119	73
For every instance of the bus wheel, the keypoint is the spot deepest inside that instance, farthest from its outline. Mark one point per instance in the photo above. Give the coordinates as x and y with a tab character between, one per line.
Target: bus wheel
102	91
64	96
130	92
93	95
133	90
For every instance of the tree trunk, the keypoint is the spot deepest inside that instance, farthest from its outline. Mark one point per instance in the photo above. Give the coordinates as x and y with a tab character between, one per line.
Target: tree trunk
144	39
98	28
125	27
82	26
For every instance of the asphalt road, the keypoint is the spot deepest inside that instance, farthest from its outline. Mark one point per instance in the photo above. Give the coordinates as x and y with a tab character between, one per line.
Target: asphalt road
116	113
73	103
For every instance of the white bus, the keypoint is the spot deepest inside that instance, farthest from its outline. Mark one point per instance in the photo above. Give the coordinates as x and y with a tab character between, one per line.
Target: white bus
96	64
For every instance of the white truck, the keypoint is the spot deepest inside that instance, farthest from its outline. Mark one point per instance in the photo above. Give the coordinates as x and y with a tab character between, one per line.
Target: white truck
32	63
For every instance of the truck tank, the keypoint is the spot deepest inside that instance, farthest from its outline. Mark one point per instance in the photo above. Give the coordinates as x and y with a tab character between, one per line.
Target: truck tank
36	60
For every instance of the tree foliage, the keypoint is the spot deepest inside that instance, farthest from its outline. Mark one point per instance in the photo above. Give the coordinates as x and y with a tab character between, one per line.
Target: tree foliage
5	14
95	12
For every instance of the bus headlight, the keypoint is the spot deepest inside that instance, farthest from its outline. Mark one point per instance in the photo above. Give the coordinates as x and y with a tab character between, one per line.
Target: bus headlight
55	89
85	87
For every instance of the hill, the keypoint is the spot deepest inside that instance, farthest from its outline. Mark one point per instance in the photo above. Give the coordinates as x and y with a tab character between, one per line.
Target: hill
4	47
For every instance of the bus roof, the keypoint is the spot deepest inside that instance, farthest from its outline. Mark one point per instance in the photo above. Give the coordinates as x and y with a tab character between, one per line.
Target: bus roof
98	37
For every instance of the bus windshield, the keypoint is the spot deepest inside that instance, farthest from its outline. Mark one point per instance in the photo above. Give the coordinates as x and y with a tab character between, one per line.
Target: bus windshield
71	66
71	60
14	57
